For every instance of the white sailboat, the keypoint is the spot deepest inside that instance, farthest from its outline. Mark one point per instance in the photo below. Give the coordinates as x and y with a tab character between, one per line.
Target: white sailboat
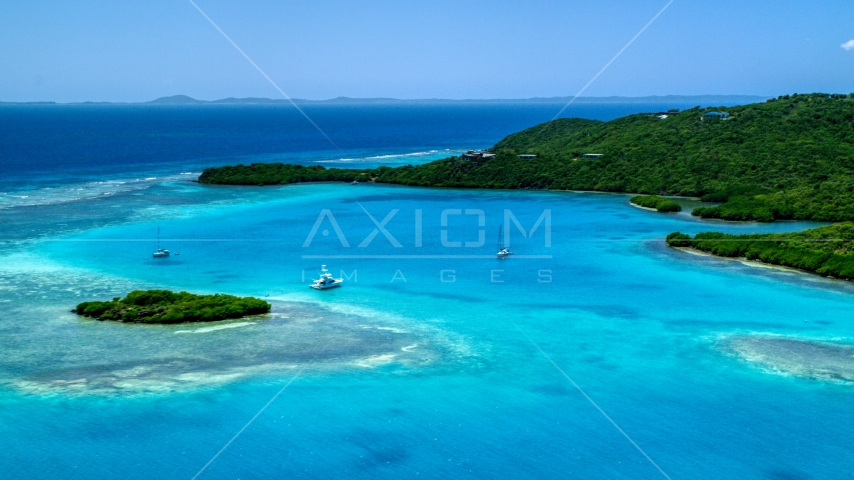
161	252
503	252
326	281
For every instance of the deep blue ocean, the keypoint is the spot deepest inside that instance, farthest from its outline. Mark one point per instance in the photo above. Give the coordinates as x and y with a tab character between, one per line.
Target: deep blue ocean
434	359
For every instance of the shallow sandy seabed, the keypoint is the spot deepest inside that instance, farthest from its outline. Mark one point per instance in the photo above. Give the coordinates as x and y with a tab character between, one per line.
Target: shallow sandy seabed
50	350
819	360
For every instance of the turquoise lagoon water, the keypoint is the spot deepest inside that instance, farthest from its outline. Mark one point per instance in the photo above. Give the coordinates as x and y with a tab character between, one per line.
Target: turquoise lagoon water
426	363
421	365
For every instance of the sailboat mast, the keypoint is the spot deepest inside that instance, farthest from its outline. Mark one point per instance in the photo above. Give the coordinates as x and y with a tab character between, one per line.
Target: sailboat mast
158	238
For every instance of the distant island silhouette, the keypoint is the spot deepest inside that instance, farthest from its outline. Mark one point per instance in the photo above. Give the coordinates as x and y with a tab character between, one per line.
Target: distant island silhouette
187	100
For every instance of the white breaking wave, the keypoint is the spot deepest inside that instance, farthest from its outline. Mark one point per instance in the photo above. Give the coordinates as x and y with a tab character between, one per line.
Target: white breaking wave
400	155
395	156
83	191
218	327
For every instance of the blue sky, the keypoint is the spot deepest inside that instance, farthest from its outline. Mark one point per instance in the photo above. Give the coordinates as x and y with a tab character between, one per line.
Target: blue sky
134	51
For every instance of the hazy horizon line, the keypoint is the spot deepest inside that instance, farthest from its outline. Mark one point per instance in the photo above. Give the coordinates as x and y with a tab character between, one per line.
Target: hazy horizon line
181	99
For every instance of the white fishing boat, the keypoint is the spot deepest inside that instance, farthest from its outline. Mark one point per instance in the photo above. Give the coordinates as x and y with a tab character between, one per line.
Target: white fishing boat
326	280
161	252
502	251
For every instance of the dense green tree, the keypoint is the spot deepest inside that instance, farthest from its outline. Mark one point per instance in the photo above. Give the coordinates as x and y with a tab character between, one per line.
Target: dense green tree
276	174
164	306
827	251
658	203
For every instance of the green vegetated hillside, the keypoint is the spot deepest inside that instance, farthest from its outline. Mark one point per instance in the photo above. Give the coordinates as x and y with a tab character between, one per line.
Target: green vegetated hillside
164	306
825	250
788	158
